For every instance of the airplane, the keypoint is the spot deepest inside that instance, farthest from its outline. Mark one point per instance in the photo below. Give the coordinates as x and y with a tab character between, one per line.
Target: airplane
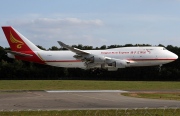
109	59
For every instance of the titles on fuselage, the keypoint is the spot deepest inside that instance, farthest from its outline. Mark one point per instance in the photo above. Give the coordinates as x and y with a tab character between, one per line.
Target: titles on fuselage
123	52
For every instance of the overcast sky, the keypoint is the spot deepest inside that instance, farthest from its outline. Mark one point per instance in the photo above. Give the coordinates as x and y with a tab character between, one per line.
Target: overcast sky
93	22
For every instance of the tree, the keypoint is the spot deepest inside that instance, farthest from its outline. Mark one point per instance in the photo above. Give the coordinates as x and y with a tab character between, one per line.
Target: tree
103	47
54	48
40	47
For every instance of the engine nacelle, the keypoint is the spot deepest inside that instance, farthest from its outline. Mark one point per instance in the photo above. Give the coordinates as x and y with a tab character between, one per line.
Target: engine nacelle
99	59
10	55
119	64
96	59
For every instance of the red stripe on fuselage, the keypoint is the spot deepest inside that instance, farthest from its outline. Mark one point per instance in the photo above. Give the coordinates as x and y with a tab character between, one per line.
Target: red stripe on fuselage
151	59
127	59
63	61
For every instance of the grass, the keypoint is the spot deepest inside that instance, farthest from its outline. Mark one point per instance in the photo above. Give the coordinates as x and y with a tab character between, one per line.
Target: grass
6	85
85	85
120	112
166	96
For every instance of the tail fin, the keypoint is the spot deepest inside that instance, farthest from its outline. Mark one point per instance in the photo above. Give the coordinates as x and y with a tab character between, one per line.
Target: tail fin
21	47
17	41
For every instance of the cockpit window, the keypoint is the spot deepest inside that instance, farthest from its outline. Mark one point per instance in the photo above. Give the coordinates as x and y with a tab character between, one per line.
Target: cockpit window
164	49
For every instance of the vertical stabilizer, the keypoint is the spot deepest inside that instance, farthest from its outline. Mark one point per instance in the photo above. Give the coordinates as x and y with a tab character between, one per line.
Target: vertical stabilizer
17	41
21	47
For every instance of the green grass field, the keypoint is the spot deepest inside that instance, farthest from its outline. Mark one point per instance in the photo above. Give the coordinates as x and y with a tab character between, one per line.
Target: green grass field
165	96
118	112
13	85
86	85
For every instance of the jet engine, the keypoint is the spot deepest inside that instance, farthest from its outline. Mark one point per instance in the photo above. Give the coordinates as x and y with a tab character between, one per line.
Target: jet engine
119	63
96	59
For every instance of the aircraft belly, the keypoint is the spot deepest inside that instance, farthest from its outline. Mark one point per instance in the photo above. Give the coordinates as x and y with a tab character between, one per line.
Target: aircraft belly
67	64
148	63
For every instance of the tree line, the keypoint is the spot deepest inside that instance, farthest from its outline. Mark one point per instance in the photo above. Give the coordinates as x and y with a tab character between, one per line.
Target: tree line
12	69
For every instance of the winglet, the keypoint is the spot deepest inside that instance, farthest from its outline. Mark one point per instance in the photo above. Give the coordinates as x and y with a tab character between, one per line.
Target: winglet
63	45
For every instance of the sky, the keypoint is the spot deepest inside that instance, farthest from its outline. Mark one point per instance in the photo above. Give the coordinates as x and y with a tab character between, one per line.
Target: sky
93	22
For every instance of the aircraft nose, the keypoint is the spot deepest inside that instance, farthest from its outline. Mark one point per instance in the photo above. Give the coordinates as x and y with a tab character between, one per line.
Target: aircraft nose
174	56
171	56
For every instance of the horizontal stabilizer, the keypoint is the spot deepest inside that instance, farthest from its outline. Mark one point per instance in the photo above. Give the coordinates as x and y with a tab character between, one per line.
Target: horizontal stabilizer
18	53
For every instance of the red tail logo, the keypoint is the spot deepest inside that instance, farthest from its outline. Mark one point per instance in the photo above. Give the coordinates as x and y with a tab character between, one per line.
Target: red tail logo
15	41
21	47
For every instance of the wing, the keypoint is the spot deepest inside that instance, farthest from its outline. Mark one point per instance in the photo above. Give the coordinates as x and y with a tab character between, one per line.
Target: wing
75	50
92	60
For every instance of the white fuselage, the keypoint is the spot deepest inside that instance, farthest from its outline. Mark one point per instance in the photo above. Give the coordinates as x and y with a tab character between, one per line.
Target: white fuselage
111	59
137	56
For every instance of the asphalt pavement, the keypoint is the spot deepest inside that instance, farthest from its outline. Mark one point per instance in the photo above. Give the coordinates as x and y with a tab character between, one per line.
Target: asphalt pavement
79	99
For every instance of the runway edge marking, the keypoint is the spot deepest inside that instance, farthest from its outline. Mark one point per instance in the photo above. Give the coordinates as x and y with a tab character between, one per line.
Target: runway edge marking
86	91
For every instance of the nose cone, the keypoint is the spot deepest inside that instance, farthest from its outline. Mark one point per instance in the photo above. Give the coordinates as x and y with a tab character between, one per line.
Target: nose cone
170	57
174	56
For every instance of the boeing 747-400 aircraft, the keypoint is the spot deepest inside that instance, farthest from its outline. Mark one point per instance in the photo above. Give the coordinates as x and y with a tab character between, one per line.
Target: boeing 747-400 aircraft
110	59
